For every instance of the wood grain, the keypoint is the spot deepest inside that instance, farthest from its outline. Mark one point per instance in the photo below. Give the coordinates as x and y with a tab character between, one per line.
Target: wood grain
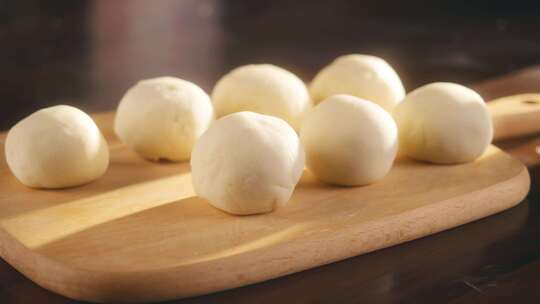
140	234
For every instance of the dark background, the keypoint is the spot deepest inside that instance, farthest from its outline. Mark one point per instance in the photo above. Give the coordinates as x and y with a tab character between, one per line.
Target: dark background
87	53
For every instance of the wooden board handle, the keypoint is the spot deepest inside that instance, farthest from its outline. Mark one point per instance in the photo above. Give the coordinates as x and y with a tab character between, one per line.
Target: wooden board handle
515	116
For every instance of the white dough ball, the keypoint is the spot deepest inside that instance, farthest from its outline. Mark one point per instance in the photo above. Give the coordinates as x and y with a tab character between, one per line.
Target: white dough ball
162	118
56	147
247	163
366	77
265	89
443	123
349	141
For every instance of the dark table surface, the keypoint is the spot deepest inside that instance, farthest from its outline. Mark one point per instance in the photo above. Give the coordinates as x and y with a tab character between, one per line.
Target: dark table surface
87	53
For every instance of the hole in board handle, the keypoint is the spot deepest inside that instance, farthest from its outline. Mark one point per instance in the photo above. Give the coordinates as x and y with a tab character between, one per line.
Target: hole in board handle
530	102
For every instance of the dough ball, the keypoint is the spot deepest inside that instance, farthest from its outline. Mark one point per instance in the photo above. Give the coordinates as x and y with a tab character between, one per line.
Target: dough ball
162	118
367	77
349	141
56	147
265	89
247	163
443	123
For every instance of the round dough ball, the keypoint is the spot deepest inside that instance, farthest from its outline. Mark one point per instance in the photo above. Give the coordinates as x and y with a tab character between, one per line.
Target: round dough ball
247	163
162	118
363	76
349	141
265	89
443	123
56	147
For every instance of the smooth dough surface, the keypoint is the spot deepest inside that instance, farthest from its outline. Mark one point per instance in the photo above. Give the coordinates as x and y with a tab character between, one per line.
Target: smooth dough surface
162	118
247	163
349	141
364	76
56	147
265	89
443	123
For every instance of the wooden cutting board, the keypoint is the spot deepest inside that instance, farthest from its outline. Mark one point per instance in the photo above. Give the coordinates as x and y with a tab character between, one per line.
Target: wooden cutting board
140	234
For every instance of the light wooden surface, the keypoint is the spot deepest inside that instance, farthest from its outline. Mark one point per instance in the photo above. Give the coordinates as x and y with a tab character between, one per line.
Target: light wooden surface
516	115
140	234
